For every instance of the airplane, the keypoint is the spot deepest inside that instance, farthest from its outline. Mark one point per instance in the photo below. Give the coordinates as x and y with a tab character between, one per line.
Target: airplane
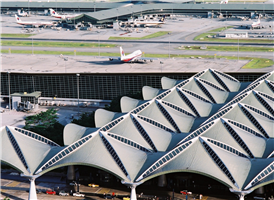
133	57
242	18
224	2
34	24
146	23
256	24
56	15
22	14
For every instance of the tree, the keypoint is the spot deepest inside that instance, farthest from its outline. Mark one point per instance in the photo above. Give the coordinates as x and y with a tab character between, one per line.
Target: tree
46	124
86	119
42	120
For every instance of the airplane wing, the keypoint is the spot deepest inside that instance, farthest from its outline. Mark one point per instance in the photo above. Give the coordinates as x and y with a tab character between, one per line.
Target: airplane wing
141	59
145	59
114	58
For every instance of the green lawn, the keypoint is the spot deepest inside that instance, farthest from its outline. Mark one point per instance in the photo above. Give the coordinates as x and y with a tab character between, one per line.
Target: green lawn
255	63
220	29
54	44
203	37
16	35
153	35
231	48
60	52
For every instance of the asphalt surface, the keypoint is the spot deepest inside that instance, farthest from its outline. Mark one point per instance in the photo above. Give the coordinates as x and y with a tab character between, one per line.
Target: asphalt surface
16	188
270	44
154	49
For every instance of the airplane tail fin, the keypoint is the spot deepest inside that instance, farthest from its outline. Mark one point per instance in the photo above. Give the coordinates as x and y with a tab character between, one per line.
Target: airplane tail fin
226	1
122	52
52	12
17	18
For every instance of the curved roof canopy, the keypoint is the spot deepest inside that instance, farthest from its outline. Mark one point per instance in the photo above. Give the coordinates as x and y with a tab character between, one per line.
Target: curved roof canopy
196	125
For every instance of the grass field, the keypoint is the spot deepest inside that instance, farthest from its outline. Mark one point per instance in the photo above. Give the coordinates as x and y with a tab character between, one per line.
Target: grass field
16	35
153	35
203	37
220	29
230	48
255	63
54	44
60	52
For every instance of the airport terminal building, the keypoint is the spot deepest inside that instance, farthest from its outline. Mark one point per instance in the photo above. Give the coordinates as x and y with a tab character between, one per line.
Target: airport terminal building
100	88
210	124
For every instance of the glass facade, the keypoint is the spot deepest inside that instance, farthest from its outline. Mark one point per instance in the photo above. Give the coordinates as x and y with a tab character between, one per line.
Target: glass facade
91	86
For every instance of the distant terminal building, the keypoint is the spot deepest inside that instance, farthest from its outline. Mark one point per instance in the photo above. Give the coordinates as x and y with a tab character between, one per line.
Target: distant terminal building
236	34
107	12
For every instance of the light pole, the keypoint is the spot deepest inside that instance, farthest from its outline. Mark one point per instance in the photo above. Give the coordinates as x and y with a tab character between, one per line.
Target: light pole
161	65
74	17
226	20
169	45
98	44
32	44
78	75
65	59
238	48
117	14
9	89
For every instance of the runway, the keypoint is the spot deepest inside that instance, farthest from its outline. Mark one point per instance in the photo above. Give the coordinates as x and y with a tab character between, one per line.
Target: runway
270	44
154	49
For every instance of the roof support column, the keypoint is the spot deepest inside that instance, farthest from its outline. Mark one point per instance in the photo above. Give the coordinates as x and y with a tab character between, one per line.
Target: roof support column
132	186
32	189
241	194
133	192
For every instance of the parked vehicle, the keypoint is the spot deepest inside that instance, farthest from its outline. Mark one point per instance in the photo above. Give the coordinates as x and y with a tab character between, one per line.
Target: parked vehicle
93	185
38	191
78	194
108	196
63	193
185	192
51	192
14	173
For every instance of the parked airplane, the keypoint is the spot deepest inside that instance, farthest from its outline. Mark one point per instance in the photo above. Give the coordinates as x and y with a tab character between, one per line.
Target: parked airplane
224	2
34	24
146	23
256	24
22	14
242	18
56	15
135	56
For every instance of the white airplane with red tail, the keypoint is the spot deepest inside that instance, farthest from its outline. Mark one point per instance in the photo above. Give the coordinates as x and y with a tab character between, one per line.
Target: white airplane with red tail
256	24
224	2
33	24
22	14
56	15
135	56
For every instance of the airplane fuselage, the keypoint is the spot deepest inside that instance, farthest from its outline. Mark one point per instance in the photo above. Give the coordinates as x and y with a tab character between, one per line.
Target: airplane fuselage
132	57
148	23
